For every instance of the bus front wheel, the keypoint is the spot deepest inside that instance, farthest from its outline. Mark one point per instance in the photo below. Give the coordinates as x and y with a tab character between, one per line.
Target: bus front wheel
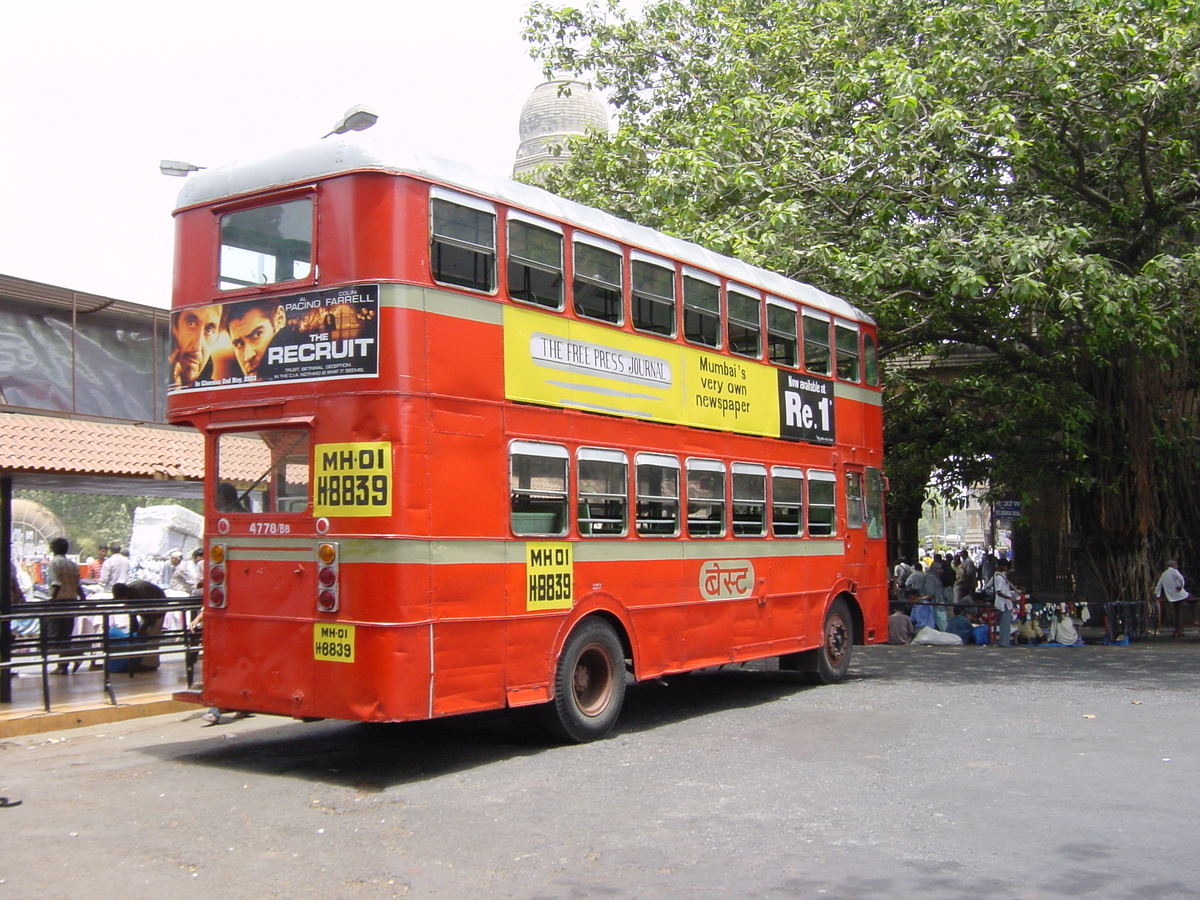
589	684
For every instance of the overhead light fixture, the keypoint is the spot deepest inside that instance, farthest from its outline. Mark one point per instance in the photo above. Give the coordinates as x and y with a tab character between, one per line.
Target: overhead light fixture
177	169
357	118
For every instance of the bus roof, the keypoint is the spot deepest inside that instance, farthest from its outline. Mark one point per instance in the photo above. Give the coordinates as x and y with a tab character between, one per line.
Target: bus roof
351	153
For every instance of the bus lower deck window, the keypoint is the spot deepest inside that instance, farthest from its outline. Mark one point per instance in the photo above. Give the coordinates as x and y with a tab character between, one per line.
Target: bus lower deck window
787	502
657	495
822	504
538	488
705	498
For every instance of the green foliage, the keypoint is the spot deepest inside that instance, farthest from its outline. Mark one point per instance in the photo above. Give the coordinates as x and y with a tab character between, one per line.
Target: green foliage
1011	187
95	519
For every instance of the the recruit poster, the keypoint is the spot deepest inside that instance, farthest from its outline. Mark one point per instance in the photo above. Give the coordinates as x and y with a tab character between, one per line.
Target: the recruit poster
314	336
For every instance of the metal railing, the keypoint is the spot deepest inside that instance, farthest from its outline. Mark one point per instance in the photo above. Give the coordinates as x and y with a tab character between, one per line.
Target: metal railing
116	654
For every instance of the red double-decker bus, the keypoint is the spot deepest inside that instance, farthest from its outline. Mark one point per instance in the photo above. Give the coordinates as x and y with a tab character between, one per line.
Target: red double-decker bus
473	446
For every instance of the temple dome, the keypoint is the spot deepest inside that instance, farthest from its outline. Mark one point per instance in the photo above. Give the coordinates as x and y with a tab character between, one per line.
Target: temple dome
556	109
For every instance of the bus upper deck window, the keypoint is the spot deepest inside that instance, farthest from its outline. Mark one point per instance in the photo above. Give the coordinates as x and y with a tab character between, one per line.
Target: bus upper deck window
870	360
266	245
653	297
598	284
702	310
782	345
816	345
535	264
745	324
462	240
847	352
264	471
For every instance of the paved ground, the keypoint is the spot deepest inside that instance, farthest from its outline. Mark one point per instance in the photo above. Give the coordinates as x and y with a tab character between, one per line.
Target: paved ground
933	773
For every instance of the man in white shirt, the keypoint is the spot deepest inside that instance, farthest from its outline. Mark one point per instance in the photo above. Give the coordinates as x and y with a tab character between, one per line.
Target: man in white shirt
115	569
1006	595
1171	588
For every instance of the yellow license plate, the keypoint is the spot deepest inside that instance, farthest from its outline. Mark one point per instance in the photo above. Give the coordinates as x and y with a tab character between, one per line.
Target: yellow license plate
333	642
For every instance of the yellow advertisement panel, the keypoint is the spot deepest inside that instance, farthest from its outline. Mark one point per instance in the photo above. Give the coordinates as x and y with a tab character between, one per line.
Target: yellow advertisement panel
562	362
333	642
352	479
549	571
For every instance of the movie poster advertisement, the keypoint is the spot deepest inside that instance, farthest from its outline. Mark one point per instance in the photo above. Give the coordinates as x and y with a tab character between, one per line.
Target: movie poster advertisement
314	336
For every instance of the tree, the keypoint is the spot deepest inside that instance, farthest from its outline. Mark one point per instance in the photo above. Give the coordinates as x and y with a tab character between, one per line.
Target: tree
1012	186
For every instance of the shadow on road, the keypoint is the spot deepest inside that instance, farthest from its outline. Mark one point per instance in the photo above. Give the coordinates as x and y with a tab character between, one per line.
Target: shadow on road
374	757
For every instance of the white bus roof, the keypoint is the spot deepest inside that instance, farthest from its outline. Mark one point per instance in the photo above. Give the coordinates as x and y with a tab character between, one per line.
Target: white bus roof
352	153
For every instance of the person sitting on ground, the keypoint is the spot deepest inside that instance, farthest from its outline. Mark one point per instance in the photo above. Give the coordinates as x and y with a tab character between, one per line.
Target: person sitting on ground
961	625
1029	631
900	626
1062	631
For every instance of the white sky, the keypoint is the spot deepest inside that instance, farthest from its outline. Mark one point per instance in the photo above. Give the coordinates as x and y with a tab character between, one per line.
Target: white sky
93	95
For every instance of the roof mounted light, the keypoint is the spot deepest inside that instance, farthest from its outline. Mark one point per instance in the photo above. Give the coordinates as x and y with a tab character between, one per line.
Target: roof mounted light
177	169
357	118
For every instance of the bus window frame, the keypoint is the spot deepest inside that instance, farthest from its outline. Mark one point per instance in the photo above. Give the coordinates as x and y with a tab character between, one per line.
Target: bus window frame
587	525
812	315
690	310
539	450
604	245
661	461
478	204
245	430
636	297
516	217
754	470
698	526
749	294
841	327
788	306
790	473
219	211
822	476
856	501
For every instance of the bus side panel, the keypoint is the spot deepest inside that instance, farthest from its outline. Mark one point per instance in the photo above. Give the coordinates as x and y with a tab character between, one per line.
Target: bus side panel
465	357
468	608
358	229
385	590
468	666
258	664
388	680
464	442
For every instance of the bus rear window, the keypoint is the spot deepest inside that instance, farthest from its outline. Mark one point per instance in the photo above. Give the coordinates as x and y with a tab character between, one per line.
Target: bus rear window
263	471
266	245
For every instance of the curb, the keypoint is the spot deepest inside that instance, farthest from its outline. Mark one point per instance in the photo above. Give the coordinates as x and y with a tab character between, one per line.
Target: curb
59	720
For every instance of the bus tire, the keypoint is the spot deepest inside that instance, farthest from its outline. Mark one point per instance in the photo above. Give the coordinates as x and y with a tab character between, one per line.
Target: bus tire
589	684
837	645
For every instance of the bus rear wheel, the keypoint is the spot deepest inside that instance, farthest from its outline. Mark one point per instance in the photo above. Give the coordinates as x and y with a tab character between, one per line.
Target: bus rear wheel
589	684
837	645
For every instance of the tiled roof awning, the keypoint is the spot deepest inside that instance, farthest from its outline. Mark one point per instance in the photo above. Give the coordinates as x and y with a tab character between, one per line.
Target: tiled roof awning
82	456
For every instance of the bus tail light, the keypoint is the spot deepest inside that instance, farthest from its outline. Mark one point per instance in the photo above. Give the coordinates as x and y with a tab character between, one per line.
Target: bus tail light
216	575
327	577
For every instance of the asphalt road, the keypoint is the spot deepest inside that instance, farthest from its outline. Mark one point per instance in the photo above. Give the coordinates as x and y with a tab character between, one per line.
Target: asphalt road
932	773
